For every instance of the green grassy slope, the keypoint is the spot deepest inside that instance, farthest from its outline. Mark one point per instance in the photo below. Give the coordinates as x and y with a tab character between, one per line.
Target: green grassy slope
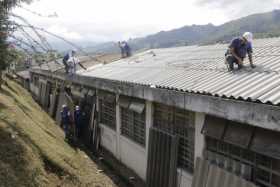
32	147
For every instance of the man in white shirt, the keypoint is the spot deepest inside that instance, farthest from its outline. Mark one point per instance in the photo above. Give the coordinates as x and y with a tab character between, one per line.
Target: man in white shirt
72	63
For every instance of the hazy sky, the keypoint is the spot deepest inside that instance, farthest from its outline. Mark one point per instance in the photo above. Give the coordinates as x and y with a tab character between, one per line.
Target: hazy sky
105	20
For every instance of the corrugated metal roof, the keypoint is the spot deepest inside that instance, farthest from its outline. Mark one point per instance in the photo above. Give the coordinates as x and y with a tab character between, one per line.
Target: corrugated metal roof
201	69
24	74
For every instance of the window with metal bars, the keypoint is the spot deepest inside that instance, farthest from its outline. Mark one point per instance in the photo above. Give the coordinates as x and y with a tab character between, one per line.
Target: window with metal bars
262	170
133	125
181	123
107	113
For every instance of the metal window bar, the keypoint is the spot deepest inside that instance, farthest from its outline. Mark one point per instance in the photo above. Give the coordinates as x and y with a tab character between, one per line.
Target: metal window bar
107	113
264	170
178	122
133	125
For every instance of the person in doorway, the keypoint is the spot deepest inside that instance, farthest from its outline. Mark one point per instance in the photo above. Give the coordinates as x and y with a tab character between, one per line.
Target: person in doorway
78	121
238	49
65	120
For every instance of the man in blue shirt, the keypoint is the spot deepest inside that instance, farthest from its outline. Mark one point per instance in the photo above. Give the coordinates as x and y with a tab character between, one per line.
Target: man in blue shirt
78	121
238	49
65	120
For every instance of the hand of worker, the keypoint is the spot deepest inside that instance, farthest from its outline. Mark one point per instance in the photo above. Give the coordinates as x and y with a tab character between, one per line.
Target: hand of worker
240	62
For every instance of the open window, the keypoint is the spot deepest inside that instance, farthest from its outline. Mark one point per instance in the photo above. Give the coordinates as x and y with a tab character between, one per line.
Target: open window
266	142
238	134
214	127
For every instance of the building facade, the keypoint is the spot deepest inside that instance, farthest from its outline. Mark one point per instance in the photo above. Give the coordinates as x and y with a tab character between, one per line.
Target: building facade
164	121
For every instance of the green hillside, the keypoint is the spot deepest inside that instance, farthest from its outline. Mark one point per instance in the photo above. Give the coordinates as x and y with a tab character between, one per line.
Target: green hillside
33	150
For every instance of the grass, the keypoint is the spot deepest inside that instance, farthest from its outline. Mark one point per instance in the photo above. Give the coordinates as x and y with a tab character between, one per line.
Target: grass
33	150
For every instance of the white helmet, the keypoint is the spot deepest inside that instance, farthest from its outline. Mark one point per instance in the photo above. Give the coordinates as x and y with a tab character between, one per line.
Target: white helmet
248	36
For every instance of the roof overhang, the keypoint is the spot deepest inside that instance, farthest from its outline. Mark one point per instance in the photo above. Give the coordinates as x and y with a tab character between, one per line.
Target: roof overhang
256	114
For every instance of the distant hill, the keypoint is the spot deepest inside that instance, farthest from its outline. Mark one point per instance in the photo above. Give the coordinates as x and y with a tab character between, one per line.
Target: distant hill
262	25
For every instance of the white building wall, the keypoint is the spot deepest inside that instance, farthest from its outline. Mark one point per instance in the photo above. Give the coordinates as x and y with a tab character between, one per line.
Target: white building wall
199	137
34	90
134	155
131	154
108	136
109	139
185	178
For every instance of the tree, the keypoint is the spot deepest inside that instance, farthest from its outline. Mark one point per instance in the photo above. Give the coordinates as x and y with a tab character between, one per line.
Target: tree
5	7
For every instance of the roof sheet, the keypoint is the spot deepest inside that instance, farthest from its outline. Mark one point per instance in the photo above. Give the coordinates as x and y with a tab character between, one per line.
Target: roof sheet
201	69
24	74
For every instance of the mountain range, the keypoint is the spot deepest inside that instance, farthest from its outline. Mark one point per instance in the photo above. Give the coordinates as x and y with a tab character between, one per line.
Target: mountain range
262	25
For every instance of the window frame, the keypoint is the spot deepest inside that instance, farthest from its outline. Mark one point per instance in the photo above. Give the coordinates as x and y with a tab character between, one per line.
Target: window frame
178	122
133	125
107	111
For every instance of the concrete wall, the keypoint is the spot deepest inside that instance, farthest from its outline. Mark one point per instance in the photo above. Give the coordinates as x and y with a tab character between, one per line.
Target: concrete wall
185	178
199	137
131	154
260	115
109	139
34	90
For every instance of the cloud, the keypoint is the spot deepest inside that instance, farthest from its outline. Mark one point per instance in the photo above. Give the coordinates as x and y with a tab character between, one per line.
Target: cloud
239	8
64	32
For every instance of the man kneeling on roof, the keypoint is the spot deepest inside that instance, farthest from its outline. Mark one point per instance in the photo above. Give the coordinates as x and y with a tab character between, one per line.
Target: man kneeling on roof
238	49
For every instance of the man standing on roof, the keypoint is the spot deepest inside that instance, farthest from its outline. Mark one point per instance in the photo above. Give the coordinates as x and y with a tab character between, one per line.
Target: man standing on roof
238	49
70	62
125	49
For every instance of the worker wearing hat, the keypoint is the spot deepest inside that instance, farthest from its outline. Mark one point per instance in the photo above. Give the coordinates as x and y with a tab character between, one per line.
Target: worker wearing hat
238	49
65	119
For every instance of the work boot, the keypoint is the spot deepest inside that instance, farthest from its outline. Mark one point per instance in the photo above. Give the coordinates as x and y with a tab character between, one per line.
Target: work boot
240	66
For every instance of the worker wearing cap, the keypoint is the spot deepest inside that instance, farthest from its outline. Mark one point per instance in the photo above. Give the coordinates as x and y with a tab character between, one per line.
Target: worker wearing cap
78	121
70	62
65	120
238	49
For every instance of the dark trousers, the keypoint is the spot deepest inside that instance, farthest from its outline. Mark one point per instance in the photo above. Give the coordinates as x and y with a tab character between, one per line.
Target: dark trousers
66	130
231	60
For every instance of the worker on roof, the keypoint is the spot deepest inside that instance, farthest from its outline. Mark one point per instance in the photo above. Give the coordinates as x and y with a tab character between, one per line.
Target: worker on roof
238	49
70	62
125	49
